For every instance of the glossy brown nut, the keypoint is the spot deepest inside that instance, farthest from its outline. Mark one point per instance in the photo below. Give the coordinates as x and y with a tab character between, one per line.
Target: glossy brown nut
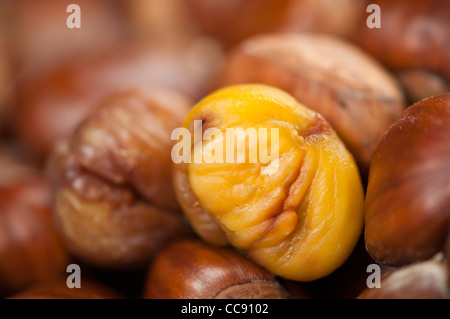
50	104
413	36
59	290
232	21
407	206
422	280
113	197
335	78
30	249
191	269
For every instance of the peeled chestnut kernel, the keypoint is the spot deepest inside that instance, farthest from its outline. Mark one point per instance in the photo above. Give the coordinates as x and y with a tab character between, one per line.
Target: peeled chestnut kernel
113	197
30	249
422	280
58	290
407	205
413	38
335	78
298	212
191	269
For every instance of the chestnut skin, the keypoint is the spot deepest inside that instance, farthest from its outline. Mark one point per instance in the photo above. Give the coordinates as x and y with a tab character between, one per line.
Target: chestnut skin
407	205
333	77
113	198
31	250
413	41
422	280
58	289
191	269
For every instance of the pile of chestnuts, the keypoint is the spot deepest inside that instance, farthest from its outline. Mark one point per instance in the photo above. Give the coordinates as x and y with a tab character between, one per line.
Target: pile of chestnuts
117	119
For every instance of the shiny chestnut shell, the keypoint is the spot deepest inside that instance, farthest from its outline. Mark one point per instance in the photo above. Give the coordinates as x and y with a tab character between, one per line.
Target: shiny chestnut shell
407	206
191	269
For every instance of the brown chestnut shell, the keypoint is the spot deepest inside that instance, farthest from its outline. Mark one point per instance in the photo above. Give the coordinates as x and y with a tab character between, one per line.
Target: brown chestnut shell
407	205
191	269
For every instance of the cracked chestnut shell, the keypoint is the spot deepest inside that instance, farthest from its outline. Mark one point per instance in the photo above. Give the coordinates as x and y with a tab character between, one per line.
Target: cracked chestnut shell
31	251
113	197
191	269
357	96
298	215
407	205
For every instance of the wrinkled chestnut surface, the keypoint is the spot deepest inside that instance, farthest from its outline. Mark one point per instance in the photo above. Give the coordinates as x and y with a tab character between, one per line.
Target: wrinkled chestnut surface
113	197
58	290
30	249
413	38
407	206
191	269
335	78
422	280
301	220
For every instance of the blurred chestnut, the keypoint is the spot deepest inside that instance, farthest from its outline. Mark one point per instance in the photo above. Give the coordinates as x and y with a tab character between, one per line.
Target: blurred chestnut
151	20
422	280
58	290
413	40
191	269
38	35
30	249
351	90
13	168
113	198
232	21
52	103
407	206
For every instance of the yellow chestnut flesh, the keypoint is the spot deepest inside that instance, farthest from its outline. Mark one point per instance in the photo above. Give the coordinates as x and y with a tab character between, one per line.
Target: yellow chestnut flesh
299	215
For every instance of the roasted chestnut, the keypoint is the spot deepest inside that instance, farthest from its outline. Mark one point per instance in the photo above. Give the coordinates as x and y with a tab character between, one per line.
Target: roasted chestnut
191	269
421	280
233	21
296	210
31	251
58	290
407	205
412	41
350	89
113	197
50	104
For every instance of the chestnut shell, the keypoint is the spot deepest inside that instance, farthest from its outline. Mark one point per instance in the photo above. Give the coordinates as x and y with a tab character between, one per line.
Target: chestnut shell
191	269
407	206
